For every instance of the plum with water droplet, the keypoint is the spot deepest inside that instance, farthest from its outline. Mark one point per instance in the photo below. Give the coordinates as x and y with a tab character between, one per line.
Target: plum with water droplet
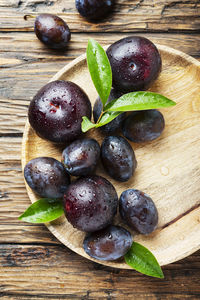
135	62
56	111
80	158
138	210
94	9
47	177
143	126
90	203
110	243
52	31
118	158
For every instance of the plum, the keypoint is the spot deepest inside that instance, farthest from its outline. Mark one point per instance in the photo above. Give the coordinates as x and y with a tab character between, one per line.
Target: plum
56	111
90	203
118	158
47	177
52	31
115	124
81	157
138	210
135	62
143	126
94	9
110	243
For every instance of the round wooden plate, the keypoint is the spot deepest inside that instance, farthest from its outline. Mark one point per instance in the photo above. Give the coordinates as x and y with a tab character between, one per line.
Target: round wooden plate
168	168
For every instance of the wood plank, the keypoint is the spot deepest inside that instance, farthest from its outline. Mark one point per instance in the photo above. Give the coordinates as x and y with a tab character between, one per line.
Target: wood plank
128	15
51	272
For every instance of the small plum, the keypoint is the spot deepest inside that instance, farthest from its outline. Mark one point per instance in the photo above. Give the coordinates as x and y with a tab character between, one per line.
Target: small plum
143	126
52	31
94	9
138	210
80	158
110	243
118	158
47	177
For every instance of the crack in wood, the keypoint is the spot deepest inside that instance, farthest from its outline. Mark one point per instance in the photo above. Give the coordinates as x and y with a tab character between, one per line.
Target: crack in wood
136	6
180	216
177	3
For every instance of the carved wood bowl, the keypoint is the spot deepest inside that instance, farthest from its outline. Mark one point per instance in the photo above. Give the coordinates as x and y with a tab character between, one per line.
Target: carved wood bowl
168	168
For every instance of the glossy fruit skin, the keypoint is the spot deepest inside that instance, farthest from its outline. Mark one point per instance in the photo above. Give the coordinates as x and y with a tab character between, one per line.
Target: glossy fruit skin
56	111
47	177
118	158
143	126
52	31
138	210
114	125
81	157
135	62
94	9
90	203
110	243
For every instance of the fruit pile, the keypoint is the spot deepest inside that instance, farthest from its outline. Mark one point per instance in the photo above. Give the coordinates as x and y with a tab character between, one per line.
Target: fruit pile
90	202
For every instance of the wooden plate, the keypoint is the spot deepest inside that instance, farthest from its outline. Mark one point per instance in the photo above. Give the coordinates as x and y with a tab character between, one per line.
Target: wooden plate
168	168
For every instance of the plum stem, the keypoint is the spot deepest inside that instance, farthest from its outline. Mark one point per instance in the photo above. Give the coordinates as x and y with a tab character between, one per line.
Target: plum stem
100	116
26	17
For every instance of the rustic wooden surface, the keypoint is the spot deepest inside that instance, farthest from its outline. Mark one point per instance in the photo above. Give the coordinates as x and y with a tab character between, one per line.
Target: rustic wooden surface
33	264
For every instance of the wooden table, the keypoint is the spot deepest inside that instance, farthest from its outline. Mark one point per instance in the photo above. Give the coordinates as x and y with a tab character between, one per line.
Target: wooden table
33	264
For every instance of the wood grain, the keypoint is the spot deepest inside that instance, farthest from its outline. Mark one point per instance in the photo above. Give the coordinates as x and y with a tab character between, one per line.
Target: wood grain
128	16
54	272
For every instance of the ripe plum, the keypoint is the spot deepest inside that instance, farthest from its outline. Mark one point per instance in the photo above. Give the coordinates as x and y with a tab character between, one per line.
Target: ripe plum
90	203
47	177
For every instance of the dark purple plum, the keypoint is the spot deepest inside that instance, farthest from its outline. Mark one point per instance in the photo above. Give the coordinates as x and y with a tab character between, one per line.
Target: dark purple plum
110	243
90	203
81	157
56	111
94	9
135	63
143	126
114	125
118	158
47	177
138	210
52	31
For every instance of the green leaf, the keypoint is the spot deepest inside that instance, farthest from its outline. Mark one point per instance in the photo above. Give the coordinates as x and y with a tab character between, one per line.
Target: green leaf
42	211
139	101
143	261
100	69
87	124
107	117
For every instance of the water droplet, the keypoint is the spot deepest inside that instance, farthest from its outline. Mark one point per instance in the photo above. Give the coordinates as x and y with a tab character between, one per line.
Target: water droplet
164	171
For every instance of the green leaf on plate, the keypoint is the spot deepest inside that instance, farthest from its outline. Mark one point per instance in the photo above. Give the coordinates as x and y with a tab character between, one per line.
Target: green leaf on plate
42	211
139	101
143	261
107	117
87	124
100	69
